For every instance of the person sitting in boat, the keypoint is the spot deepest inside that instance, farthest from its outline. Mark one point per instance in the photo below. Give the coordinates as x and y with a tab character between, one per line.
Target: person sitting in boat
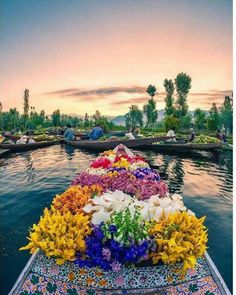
192	135
30	140
69	134
22	140
61	131
136	132
129	134
171	133
96	133
223	135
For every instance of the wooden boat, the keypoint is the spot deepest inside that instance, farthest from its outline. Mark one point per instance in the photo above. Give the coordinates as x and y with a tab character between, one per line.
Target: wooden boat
111	144
28	146
42	275
179	147
4	152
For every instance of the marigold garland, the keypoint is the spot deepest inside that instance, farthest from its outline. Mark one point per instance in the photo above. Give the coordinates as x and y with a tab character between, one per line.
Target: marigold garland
179	237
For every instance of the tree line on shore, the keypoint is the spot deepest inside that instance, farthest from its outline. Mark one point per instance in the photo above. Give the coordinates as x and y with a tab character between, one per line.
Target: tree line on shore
176	113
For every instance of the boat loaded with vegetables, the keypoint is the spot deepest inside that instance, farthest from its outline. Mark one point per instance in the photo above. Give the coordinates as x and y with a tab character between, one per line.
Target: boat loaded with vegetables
202	142
117	230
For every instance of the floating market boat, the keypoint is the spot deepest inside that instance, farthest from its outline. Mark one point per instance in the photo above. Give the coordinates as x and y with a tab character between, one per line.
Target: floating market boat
28	146
175	146
42	274
103	234
111	144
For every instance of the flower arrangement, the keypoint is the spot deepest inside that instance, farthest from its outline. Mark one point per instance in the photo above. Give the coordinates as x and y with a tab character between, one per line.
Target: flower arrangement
123	239
119	212
75	198
59	235
124	181
178	237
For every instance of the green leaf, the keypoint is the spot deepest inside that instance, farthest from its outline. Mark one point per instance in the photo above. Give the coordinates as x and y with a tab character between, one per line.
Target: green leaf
51	287
34	279
72	292
193	288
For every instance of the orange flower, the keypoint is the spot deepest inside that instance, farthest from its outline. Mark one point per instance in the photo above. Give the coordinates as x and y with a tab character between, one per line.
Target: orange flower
75	198
103	283
71	276
83	271
89	281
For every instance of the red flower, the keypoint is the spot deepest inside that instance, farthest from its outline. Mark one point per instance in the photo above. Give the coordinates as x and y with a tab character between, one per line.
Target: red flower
101	163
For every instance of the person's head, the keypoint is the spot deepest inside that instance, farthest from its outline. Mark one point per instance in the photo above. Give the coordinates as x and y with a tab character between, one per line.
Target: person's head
218	130
173	128
68	125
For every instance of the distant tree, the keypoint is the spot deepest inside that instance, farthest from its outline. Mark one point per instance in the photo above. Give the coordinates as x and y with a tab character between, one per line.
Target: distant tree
169	99
213	120
97	115
185	121
151	90
227	114
183	85
171	122
56	118
134	117
26	102
149	109
0	107
200	118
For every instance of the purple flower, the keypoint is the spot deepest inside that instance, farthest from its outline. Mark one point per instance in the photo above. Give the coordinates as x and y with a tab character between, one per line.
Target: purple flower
116	266
106	253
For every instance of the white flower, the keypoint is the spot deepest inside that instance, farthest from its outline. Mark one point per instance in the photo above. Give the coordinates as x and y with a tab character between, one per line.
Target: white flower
152	209
96	171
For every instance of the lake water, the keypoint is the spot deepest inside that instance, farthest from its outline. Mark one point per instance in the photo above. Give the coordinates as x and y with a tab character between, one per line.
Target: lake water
30	180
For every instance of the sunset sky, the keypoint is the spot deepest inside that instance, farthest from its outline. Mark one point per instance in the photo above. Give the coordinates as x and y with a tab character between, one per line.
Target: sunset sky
80	56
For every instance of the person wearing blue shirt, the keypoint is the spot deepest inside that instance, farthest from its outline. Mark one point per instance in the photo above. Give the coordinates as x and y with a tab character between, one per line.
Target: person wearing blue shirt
69	134
96	133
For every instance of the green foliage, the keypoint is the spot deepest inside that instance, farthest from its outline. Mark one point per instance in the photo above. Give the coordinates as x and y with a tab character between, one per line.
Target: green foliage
151	90
169	99
134	117
185	121
150	111
171	122
200	119
214	119
26	102
227	114
102	121
56	118
183	85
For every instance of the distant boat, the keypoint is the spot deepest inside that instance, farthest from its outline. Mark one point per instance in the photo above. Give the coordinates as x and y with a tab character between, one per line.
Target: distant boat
27	146
111	144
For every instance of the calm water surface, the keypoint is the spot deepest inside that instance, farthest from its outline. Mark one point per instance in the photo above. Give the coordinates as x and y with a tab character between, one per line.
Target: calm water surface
30	180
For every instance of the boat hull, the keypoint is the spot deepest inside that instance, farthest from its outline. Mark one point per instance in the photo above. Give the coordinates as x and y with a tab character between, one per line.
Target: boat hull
106	145
183	147
28	146
42	273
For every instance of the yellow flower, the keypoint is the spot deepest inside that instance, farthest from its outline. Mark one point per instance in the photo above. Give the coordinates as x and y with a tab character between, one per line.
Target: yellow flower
179	237
59	235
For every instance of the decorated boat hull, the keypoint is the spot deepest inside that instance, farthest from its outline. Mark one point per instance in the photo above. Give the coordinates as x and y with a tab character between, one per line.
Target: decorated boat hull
43	275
